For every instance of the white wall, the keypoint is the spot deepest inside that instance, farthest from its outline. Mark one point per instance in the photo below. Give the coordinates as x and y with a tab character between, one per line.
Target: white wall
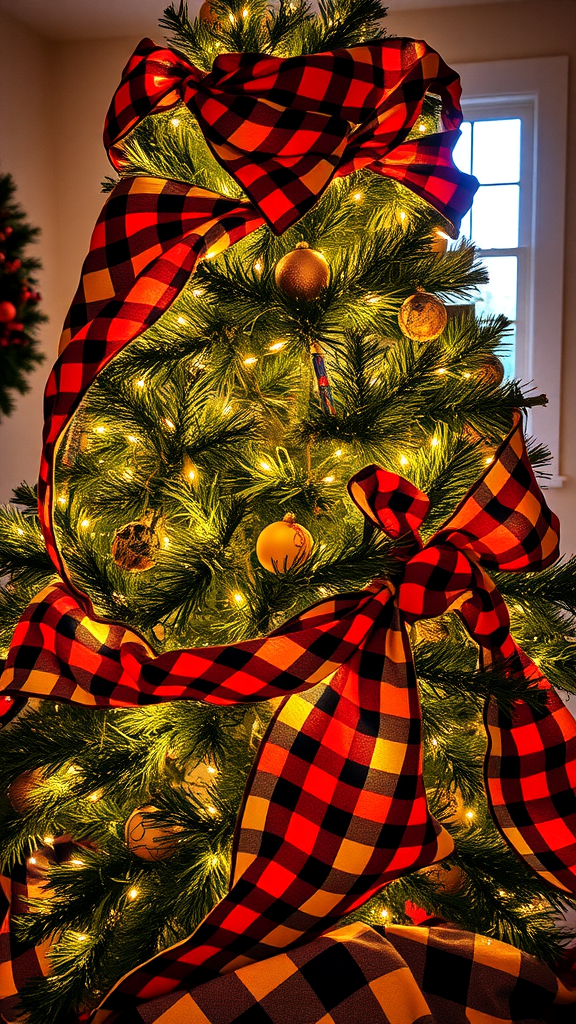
54	98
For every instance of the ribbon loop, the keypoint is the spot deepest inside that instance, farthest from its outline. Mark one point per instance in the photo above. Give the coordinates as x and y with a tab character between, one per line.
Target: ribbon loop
389	501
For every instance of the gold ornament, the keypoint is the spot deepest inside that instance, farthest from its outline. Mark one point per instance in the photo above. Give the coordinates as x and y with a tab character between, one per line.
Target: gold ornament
283	544
302	273
148	840
19	791
422	317
492	371
134	545
206	14
448	879
439	242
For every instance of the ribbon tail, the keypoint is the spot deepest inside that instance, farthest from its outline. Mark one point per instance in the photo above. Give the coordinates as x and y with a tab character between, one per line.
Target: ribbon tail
530	775
335	809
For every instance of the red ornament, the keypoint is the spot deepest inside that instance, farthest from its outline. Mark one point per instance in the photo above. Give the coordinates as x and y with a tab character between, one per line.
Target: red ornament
7	312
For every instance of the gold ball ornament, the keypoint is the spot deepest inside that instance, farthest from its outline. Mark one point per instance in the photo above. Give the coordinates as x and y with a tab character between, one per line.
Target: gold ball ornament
20	791
283	544
448	879
422	317
492	371
148	840
302	273
134	545
206	14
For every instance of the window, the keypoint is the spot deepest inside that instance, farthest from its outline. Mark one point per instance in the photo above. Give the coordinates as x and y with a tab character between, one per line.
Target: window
514	141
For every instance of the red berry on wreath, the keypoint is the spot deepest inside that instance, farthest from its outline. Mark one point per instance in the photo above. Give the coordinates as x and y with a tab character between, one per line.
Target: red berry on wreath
7	312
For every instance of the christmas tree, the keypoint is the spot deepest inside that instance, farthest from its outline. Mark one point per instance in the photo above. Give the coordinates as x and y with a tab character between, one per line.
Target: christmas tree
19	313
200	498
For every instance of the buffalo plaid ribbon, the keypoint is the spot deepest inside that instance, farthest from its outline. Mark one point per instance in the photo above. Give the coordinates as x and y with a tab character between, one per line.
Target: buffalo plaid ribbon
336	807
284	127
355	974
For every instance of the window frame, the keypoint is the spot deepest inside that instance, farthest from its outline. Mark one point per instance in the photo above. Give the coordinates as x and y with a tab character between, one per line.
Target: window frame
542	84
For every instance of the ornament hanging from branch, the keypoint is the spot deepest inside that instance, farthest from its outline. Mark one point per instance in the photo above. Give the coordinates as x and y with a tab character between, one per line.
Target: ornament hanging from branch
422	316
146	838
324	389
134	546
302	273
492	371
283	544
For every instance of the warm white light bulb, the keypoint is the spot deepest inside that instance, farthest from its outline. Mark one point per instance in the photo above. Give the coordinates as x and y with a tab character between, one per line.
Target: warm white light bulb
133	894
277	345
250	360
175	122
169	424
265	466
100	430
180	320
403	460
434	442
239	599
328	479
85	524
140	383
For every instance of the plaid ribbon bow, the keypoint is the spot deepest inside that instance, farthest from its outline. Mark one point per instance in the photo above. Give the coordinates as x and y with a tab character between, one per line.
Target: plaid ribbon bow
284	127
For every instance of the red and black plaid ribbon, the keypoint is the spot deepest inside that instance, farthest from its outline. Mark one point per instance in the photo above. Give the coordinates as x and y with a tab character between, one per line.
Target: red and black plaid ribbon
336	806
284	127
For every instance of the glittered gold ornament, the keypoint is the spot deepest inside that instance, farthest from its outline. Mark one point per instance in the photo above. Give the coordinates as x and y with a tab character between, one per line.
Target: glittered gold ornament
302	273
283	544
147	839
492	370
134	545
422	317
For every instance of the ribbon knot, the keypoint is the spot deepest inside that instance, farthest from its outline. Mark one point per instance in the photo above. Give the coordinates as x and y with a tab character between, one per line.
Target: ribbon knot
504	526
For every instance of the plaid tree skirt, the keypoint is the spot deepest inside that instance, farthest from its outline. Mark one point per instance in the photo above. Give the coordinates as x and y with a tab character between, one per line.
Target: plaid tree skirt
362	975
